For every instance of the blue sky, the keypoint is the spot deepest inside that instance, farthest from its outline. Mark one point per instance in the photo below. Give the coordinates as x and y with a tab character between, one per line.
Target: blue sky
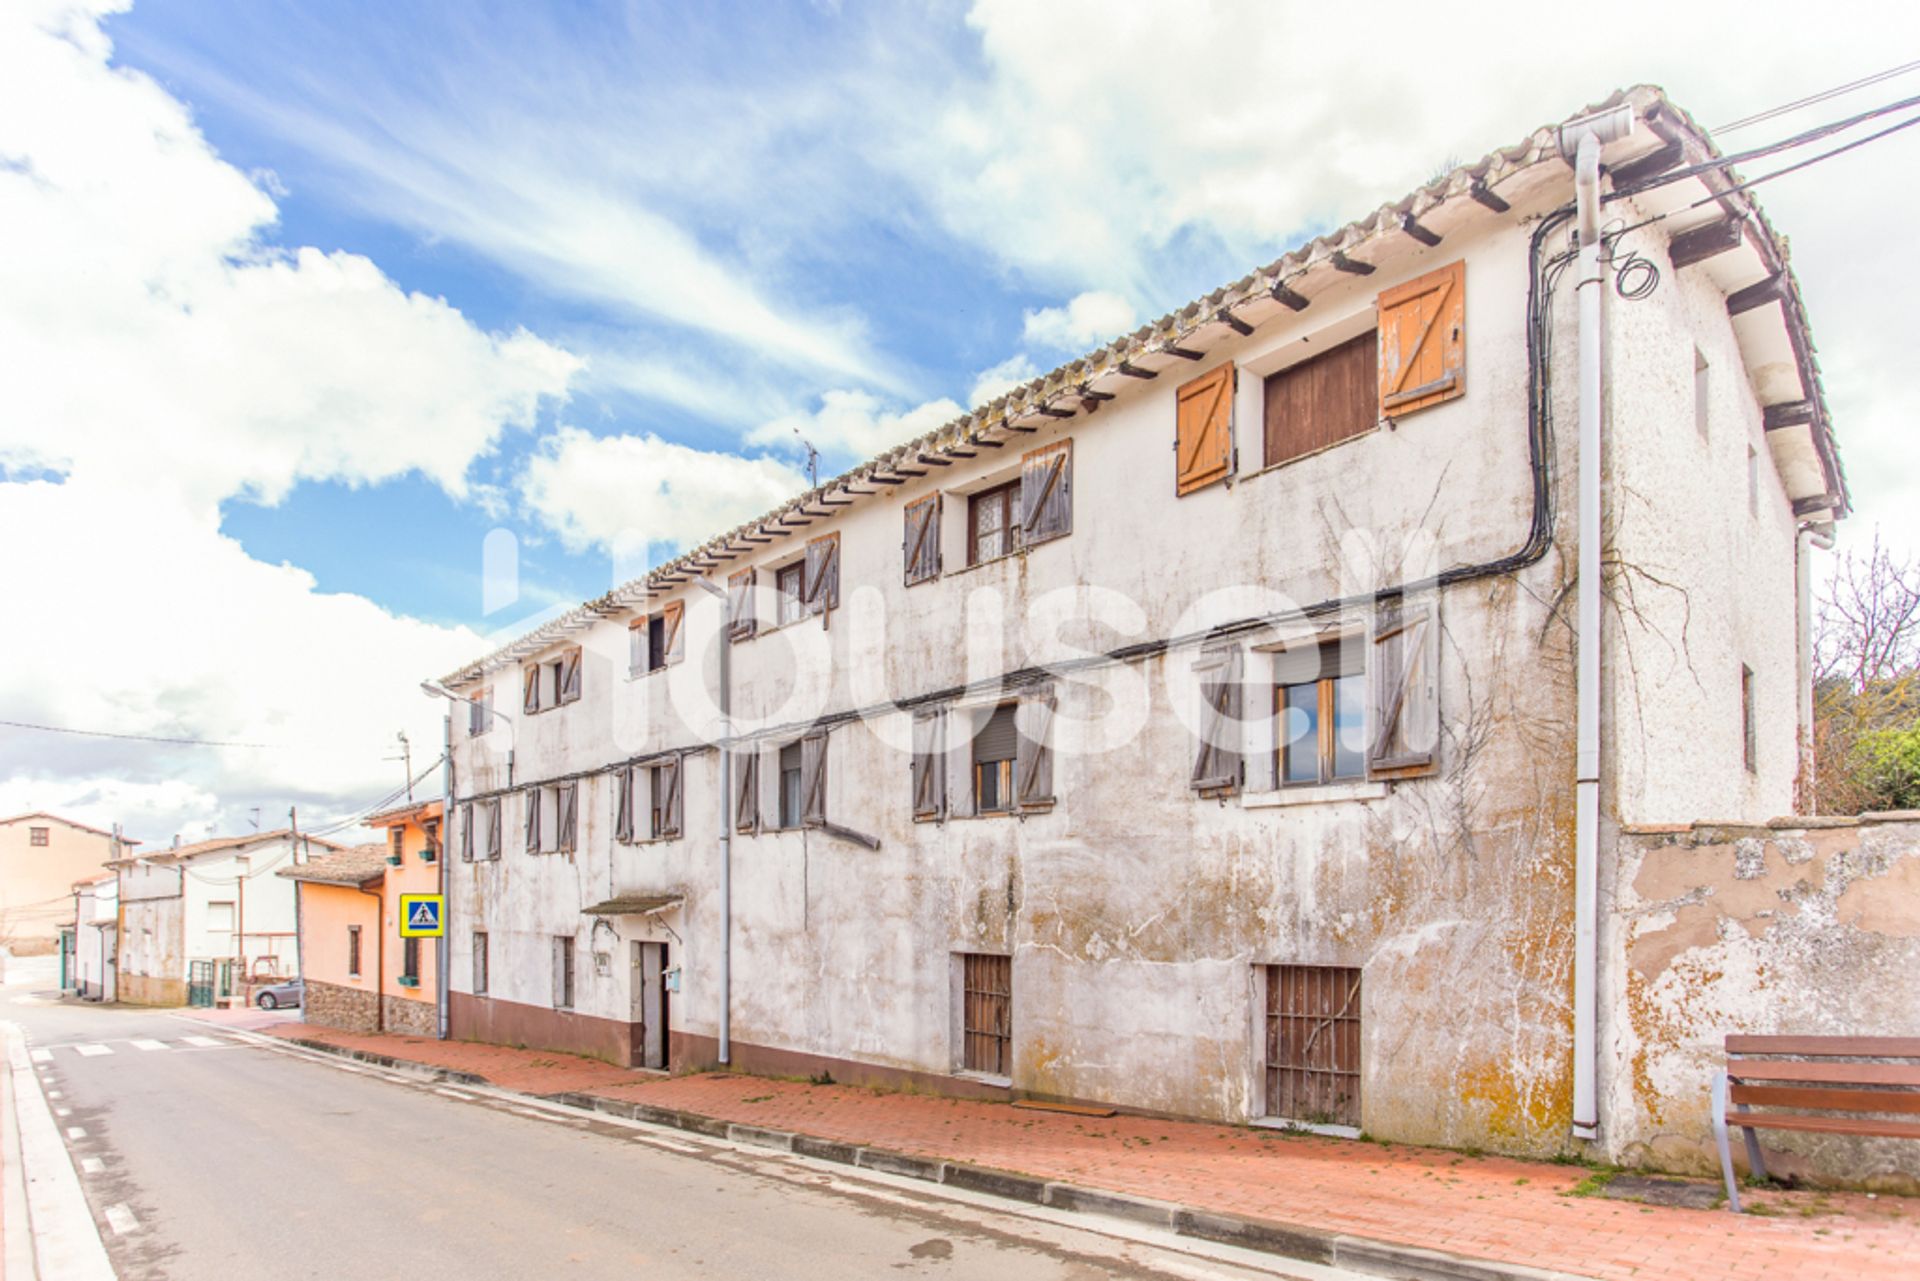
321	293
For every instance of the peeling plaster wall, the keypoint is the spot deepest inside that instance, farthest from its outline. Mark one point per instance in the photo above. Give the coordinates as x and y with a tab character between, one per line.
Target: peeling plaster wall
1777	929
1137	914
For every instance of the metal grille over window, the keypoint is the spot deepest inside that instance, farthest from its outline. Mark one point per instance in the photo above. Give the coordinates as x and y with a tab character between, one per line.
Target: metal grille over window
987	1013
1313	1044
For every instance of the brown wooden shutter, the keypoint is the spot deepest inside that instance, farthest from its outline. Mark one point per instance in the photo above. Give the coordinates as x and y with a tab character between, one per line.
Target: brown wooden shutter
1046	493
1203	430
530	689
820	581
1216	761
746	805
493	829
1423	341
1404	680
813	780
1332	397
673	643
1033	769
569	797
740	622
922	553
671	793
466	832
533	820
623	805
637	646
570	676
930	764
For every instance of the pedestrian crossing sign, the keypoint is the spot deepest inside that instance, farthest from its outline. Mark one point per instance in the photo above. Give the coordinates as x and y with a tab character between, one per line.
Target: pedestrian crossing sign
423	916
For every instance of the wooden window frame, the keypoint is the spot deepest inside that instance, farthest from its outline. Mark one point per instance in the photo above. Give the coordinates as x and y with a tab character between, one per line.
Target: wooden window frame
39	837
780	770
789	607
1326	727
410	959
1008	496
397	841
353	952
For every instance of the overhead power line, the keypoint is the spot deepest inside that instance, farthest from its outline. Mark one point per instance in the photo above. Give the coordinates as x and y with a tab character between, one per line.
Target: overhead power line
1822	96
136	738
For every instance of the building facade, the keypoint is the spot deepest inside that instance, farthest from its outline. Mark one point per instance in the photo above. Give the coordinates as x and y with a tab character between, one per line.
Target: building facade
200	922
41	857
96	937
1192	729
360	973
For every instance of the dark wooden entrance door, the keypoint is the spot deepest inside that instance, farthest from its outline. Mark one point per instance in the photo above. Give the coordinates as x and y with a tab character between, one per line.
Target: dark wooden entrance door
649	991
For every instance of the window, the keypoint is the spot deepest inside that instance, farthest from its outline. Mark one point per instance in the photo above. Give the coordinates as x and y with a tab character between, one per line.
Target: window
220	917
479	963
532	689
993	523
535	824
1322	720
788	582
664	799
1749	746
746	782
548	685
1322	401
566	814
410	959
494	828
995	749
922	542
740	605
480	713
930	764
820	587
466	832
353	951
1217	757
563	972
1313	1044
986	1014
1046	493
1423	341
1203	430
39	835
397	841
790	796
1702	392
431	828
1753	481
655	639
567	677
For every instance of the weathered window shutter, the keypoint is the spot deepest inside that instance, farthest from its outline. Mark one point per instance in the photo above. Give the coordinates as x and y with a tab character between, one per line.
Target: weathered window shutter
1405	682
530	689
1216	760
570	676
930	764
623	805
813	779
746	804
560	959
674	644
670	788
820	586
923	539
493	829
637	646
1203	430
569	798
533	820
1046	493
466	832
1423	341
740	621
1033	768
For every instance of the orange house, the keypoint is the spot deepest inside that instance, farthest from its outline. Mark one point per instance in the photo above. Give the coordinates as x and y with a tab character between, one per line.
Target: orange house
361	976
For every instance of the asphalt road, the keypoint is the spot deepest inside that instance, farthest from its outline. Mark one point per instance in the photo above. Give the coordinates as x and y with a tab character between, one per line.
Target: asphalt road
217	1159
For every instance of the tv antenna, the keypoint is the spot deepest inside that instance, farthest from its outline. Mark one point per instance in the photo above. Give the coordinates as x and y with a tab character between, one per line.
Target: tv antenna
813	460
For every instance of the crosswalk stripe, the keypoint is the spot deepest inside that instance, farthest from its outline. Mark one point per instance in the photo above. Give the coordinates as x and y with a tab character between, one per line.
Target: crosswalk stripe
149	1045
76	1132
121	1220
42	1056
202	1041
91	1051
92	1165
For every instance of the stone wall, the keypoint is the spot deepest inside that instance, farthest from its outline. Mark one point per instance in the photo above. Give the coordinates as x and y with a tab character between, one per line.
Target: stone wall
407	1015
1796	927
347	1008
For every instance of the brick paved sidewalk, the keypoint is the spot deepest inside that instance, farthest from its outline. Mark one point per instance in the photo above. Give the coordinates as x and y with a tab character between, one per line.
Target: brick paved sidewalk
1485	1207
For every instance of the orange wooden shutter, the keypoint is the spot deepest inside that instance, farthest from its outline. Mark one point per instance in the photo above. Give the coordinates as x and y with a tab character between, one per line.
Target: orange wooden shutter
1423	341
672	616
1203	430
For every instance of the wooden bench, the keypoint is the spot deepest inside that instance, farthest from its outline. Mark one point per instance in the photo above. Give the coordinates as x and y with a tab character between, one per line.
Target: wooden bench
1818	1084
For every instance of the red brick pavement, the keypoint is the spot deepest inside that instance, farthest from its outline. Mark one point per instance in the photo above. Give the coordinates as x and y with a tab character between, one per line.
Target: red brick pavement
1485	1207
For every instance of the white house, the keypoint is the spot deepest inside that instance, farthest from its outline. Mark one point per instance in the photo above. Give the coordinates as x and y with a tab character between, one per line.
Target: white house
96	918
1194	729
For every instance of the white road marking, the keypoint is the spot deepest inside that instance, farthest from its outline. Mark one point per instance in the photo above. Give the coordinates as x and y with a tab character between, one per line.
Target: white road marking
63	1111
76	1132
654	1142
121	1220
92	1165
41	1056
397	1080
149	1045
43	1187
455	1094
200	1040
93	1051
53	1094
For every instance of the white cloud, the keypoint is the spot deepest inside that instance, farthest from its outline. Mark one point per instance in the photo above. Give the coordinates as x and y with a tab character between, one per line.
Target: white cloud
853	425
1001	378
623	493
162	357
1090	318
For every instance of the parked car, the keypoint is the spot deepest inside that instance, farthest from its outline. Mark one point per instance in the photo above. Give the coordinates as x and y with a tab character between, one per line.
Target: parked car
288	995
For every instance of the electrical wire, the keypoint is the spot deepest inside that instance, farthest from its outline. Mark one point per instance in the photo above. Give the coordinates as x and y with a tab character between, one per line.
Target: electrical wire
353	819
137	738
1822	96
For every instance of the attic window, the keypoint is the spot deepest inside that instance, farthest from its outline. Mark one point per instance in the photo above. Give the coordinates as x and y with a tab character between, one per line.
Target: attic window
39	836
1321	402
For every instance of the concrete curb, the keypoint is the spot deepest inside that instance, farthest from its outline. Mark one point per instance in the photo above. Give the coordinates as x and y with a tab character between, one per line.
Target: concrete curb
1284	1240
446	1075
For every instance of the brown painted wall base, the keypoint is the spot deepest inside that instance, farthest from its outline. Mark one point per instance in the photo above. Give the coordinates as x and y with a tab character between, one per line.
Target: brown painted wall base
694	1053
482	1018
139	989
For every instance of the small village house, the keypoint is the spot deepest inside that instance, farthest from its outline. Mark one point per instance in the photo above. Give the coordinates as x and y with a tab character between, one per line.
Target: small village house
96	937
41	857
200	922
360	974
